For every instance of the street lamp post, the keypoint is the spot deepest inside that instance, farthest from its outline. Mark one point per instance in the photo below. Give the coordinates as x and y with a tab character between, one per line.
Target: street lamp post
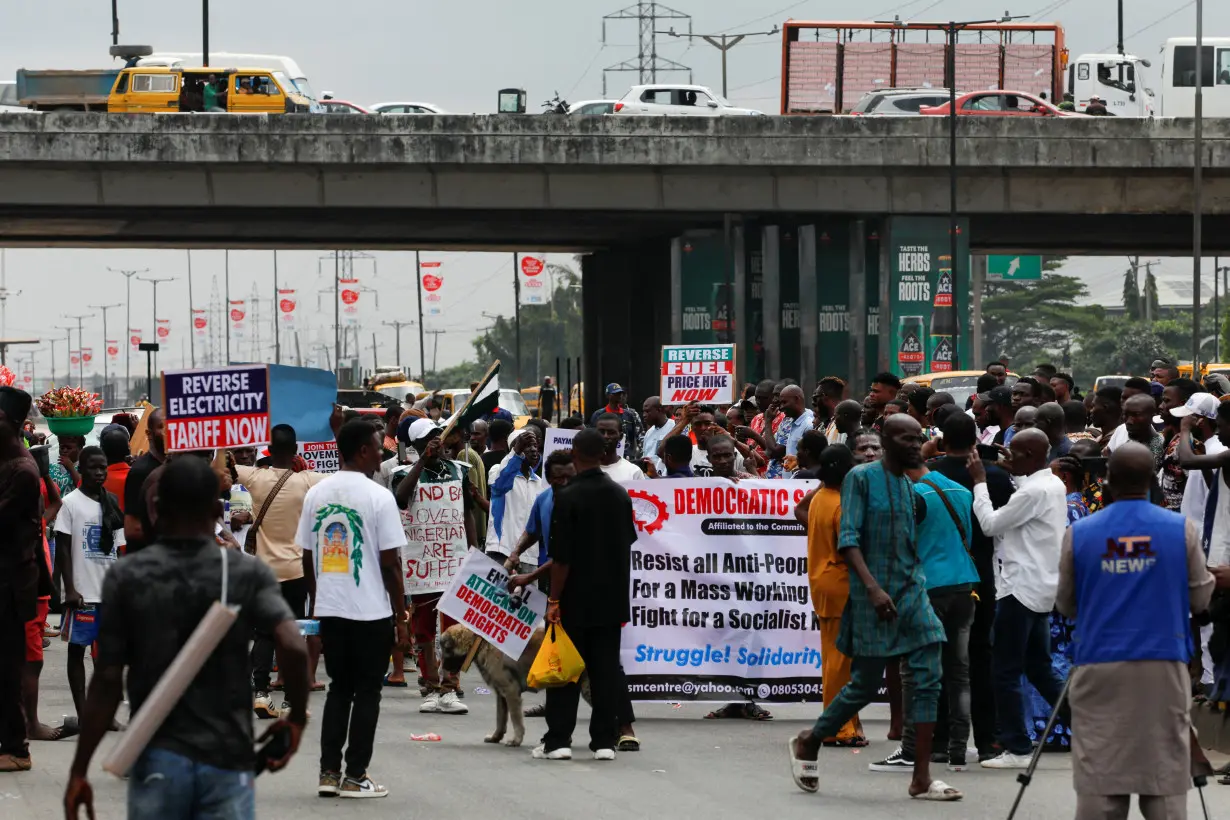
68	353
723	43
155	281
1197	183
127	274
106	372
80	317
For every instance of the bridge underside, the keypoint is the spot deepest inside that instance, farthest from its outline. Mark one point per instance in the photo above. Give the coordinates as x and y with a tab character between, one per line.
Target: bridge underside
585	230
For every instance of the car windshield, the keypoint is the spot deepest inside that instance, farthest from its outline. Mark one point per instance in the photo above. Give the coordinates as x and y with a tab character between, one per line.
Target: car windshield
395	391
301	83
722	101
961	387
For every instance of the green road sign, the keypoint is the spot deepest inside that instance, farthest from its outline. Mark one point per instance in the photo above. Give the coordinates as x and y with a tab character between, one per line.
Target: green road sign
1014	268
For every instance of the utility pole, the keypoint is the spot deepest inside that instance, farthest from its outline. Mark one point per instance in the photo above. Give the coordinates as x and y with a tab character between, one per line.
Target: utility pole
337	310
53	341
68	353
205	33
191	316
435	346
418	286
1197	186
517	312
1121	38
115	31
127	274
155	280
106	372
5	294
277	314
397	326
80	317
647	63
725	42
226	301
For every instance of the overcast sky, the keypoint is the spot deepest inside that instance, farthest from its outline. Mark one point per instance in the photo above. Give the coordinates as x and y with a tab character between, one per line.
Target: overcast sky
456	55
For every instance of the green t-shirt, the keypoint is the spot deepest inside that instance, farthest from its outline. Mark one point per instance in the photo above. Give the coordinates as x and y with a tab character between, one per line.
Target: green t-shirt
211	96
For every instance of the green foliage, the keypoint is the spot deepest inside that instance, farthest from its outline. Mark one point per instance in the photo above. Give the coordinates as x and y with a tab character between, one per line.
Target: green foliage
459	375
1149	296
356	527
547	332
1131	294
1031	321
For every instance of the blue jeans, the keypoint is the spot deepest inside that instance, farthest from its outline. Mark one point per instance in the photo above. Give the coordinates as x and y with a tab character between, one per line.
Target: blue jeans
164	785
1022	645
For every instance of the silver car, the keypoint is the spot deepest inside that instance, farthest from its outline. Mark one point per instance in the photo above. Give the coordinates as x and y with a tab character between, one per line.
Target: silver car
899	102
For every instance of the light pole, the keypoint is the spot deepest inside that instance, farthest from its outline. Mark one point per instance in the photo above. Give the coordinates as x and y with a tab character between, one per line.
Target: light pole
155	280
80	317
723	43
397	326
106	372
127	274
952	27
68	353
5	295
1197	182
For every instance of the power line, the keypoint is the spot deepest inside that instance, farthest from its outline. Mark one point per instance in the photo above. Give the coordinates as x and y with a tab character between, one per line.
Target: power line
647	63
1156	22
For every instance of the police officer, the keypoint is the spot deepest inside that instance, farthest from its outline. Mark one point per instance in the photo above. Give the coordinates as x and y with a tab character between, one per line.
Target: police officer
1131	575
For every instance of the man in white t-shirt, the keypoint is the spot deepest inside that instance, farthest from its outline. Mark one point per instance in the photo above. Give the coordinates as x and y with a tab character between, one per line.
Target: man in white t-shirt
351	535
610	427
89	534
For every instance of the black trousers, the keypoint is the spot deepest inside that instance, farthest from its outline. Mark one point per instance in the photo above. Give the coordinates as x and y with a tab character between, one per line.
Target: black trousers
981	665
356	657
599	648
12	663
295	593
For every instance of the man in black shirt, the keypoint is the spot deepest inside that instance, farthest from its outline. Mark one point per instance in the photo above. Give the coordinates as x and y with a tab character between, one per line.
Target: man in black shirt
959	437
136	514
498	431
200	762
546	399
592	532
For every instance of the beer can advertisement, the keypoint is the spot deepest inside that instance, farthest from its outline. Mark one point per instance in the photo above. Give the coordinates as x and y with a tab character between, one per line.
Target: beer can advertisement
700	373
929	296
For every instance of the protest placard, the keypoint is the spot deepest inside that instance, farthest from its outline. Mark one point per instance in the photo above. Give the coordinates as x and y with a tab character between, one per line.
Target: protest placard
702	373
320	456
435	529
221	407
479	598
721	605
560	439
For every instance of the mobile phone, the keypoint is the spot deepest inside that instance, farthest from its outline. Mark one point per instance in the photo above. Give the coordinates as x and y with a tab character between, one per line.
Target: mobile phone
42	458
988	453
275	748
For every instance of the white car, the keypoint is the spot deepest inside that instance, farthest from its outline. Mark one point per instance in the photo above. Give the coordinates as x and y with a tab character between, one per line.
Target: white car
592	107
677	101
407	108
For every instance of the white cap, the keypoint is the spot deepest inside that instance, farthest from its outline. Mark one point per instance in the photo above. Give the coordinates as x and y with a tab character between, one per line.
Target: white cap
1200	404
421	428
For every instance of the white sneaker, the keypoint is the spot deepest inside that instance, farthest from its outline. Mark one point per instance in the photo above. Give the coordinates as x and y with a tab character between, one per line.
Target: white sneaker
1006	760
431	703
604	754
450	704
541	753
361	787
262	706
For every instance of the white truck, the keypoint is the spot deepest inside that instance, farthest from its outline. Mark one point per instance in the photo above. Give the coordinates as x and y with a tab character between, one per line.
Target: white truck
1119	79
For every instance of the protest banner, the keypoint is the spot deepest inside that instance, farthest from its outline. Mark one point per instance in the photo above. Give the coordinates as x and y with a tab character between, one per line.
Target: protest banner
434	521
720	599
560	439
701	373
479	599
217	407
302	397
320	456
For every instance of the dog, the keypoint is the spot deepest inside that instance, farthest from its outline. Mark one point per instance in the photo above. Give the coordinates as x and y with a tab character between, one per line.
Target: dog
506	677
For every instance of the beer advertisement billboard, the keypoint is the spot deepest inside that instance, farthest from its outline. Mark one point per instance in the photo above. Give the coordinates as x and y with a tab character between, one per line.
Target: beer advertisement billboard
702	291
833	299
929	301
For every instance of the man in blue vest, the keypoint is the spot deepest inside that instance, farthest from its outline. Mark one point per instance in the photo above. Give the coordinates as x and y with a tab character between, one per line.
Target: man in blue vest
1131	575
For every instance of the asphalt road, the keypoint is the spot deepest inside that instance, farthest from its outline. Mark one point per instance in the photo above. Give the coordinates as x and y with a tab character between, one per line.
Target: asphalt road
688	768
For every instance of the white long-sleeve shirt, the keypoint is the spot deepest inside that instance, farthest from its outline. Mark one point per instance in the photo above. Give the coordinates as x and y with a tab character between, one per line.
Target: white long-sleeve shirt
1028	533
510	508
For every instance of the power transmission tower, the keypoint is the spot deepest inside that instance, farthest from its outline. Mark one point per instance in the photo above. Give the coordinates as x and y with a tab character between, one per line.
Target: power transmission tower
647	63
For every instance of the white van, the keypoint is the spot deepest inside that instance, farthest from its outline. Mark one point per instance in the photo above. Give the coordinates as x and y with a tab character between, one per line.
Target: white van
1179	77
288	68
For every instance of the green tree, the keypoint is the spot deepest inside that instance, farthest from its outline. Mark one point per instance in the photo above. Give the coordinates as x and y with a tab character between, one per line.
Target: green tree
459	375
1131	293
1032	321
547	332
1149	295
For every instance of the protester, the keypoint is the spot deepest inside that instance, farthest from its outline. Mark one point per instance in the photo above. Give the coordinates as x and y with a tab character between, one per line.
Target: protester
895	406
1075	417
884	387
847	419
1202	438
1025	393
346	518
997	415
136	515
559	470
888	611
1050	419
630	422
867	447
478	439
438	688
114	444
514	487
917	406
278	493
21	524
200	762
1029	529
1216	515
620	469
592	535
1173	477
1163	372
784	446
1022	419
811	445
677	457
824	400
1064	386
998	370
829	581
657	426
1130	690
722	456
546	399
1107	413
37	633
766	398
498	432
64	471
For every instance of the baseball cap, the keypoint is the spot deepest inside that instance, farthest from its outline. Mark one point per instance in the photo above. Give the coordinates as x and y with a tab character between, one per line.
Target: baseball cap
614	387
997	395
1201	404
410	429
1217	384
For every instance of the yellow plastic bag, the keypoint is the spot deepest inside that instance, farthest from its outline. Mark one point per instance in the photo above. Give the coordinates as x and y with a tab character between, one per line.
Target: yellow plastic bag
558	663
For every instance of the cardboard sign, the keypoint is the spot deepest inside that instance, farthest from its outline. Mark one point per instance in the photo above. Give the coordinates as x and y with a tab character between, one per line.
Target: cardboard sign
434	521
320	456
560	439
700	373
221	407
479	598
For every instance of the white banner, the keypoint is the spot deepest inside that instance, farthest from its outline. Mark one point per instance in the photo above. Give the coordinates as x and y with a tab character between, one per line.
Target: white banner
479	598
134	339
113	349
163	330
349	294
721	605
560	439
200	321
74	357
533	280
433	288
287	304
238	315
320	456
87	354
436	535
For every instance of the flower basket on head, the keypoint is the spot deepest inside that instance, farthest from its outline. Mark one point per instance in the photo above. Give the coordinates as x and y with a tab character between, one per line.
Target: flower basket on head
69	411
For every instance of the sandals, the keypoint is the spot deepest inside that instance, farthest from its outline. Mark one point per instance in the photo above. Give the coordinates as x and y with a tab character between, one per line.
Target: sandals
628	743
803	770
850	743
396	684
940	792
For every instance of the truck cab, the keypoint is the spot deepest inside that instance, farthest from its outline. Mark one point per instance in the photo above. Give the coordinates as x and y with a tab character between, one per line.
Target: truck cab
1116	78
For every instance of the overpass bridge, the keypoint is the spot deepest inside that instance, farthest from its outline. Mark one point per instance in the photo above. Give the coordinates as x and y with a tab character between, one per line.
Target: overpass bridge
497	182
